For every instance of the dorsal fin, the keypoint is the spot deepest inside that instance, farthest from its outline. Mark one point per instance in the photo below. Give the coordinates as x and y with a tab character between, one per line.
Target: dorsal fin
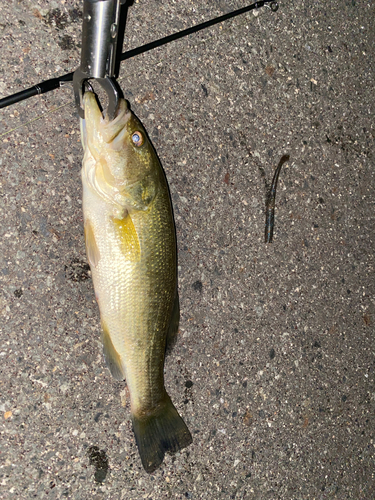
173	324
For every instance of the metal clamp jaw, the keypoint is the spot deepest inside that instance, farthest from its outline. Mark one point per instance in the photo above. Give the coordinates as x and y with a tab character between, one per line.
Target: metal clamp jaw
98	55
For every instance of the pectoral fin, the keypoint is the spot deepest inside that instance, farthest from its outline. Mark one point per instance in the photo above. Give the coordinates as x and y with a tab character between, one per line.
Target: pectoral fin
92	249
127	237
111	356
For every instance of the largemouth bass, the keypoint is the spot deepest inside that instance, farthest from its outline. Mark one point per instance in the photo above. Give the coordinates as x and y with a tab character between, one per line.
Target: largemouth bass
131	248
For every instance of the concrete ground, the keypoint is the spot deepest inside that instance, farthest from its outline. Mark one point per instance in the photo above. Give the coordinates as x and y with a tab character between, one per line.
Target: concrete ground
273	369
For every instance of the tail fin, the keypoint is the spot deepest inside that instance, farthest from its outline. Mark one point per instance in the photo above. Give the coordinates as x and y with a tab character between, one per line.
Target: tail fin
160	432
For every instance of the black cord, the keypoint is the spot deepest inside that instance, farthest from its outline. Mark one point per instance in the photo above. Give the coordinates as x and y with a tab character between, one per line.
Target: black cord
40	88
194	29
55	83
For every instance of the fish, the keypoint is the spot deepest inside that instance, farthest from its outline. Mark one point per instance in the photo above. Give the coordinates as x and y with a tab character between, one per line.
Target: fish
131	248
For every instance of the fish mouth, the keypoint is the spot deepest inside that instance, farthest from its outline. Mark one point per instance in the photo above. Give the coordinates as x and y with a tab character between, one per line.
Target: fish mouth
111	129
97	124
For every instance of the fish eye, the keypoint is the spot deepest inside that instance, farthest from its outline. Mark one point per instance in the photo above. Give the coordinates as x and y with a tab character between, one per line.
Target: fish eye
137	138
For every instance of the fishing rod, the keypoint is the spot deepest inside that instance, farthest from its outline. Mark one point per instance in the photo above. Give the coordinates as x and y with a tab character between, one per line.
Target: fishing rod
55	83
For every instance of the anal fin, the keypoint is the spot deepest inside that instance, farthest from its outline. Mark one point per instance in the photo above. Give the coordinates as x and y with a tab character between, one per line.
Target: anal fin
111	356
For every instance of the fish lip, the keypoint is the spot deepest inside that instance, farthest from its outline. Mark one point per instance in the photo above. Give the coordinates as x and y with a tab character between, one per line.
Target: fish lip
123	109
110	129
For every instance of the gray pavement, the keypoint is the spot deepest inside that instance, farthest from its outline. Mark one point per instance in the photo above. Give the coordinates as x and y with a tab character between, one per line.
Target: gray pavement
273	369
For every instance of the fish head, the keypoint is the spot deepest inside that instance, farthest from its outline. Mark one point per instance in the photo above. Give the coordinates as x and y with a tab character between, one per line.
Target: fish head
120	158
